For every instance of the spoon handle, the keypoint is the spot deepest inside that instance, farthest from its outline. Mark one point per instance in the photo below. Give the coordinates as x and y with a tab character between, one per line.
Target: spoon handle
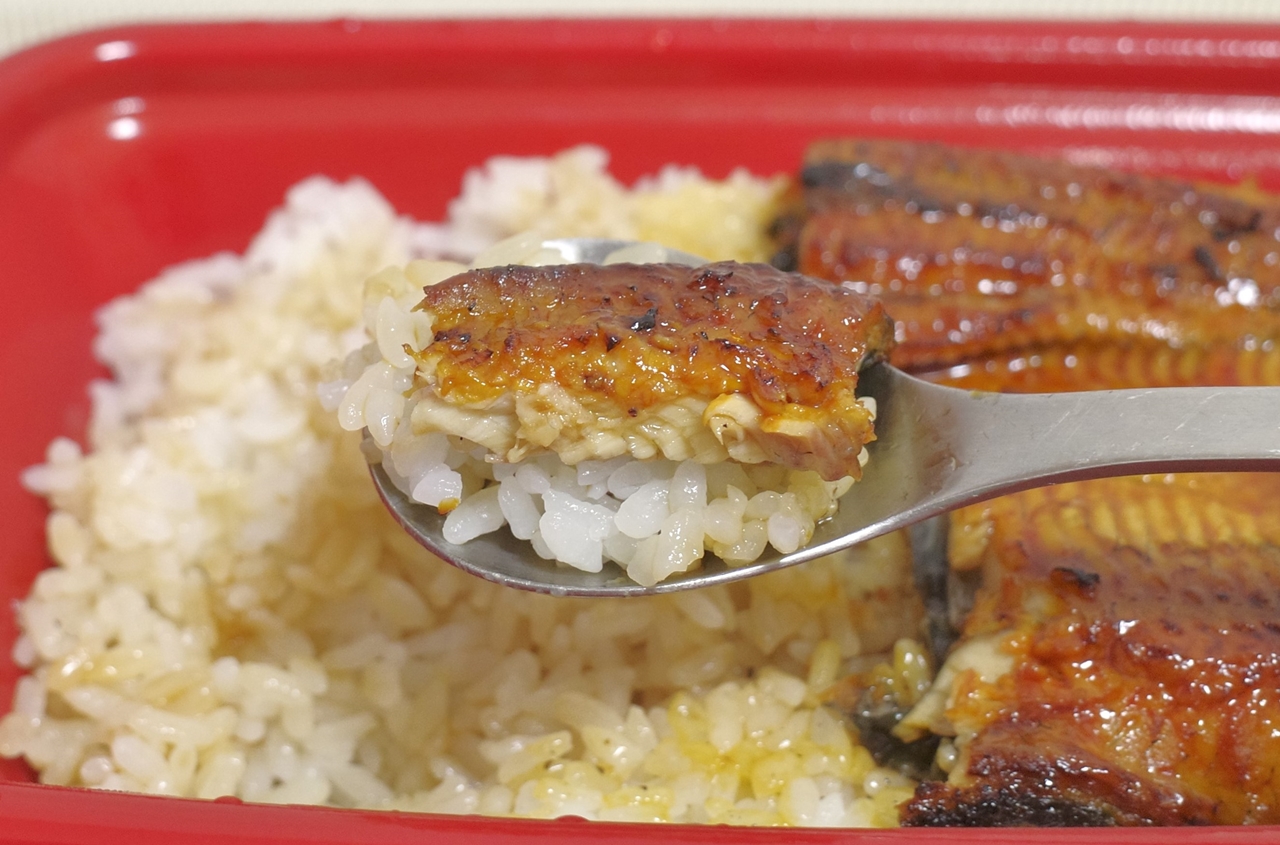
1005	442
940	448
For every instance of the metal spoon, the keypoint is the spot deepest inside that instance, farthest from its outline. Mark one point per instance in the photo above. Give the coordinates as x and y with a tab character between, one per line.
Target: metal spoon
937	449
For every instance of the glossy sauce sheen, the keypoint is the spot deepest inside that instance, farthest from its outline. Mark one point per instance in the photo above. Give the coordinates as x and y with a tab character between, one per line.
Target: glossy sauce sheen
635	336
1143	614
980	252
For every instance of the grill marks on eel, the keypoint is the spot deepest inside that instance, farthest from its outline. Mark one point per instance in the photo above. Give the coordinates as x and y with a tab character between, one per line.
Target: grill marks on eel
1141	615
976	252
1138	614
626	341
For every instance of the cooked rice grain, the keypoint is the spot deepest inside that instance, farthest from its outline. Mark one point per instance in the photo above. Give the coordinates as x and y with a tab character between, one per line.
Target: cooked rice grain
231	612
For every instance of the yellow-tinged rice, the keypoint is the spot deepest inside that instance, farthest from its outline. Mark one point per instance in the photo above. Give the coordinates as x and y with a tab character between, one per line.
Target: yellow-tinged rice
232	613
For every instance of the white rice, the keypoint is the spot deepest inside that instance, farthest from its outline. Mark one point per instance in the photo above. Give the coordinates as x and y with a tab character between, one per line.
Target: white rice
231	612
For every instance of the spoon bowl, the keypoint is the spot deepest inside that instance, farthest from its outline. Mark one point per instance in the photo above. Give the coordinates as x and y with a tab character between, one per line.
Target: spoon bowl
937	449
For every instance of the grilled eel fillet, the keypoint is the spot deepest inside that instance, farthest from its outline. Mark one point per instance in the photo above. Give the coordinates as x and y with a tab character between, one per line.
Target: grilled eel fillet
1121	663
726	360
980	252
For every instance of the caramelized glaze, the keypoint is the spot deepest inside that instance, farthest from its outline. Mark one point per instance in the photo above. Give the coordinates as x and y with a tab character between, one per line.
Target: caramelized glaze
1142	615
979	251
624	340
1144	618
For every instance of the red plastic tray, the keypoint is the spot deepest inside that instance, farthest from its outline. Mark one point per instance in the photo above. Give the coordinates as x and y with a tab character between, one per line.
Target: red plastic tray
231	115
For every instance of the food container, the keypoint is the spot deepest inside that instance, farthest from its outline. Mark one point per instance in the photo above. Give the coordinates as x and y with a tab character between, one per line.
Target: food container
126	150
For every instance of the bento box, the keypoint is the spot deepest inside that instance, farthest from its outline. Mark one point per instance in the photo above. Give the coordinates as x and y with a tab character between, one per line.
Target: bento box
126	151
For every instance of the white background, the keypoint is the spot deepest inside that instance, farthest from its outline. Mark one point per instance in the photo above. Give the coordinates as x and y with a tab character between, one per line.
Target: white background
25	22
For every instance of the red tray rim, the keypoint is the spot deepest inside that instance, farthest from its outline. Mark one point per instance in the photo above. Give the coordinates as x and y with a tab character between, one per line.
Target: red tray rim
40	80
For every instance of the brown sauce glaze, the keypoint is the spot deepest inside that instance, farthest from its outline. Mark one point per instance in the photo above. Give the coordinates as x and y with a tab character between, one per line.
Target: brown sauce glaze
643	334
975	251
1143	617
1142	614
